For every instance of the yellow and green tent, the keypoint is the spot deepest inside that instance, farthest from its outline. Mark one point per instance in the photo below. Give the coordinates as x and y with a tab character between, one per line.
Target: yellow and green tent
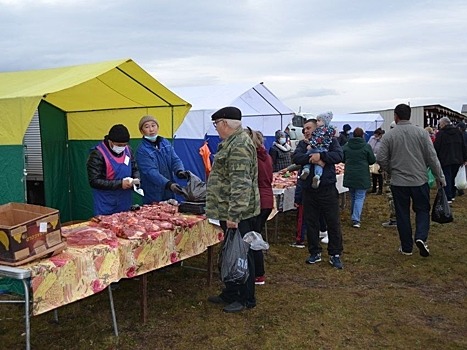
77	105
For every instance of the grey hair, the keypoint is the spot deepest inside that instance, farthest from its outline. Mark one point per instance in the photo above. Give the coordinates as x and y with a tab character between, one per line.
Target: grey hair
233	123
444	121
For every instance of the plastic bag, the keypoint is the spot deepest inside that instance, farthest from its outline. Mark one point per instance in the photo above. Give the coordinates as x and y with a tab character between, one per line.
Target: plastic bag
461	181
195	190
256	241
233	261
441	211
431	178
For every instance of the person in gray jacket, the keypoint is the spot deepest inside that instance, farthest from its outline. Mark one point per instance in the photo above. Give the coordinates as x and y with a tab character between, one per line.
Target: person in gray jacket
405	153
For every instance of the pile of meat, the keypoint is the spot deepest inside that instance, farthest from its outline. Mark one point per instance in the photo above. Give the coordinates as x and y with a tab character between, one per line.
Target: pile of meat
87	234
289	179
148	221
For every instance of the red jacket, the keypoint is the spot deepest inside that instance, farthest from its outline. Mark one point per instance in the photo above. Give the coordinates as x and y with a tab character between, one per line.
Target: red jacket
265	178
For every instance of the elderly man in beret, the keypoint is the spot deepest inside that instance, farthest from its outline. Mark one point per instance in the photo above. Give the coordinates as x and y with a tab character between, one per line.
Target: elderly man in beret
158	163
233	197
112	170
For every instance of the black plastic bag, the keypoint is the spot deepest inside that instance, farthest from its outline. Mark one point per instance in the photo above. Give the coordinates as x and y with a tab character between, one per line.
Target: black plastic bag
233	260
195	190
441	211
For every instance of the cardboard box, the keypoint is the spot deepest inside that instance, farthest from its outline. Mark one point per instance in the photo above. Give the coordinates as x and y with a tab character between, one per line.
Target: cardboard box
27	230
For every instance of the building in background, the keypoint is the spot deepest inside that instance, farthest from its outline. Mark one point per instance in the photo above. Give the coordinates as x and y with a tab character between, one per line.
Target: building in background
424	116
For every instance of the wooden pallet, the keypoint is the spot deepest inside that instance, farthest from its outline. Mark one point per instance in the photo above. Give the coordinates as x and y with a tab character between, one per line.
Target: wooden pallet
57	249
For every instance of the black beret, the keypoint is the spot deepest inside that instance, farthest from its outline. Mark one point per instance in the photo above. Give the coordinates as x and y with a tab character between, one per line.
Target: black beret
119	133
227	113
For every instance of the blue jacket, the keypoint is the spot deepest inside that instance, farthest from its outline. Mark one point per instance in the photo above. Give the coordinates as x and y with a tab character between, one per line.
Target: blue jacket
157	166
333	156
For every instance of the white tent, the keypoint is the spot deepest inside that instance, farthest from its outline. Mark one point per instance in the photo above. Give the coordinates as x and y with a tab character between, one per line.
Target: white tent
261	110
368	122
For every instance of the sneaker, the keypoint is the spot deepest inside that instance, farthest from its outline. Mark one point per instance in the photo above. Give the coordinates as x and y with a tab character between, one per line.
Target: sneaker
323	234
314	258
449	202
298	244
422	246
404	253
304	174
325	239
316	181
335	261
389	223
356	224
260	280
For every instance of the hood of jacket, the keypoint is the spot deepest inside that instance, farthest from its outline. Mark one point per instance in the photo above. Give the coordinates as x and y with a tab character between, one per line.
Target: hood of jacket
356	143
450	130
262	154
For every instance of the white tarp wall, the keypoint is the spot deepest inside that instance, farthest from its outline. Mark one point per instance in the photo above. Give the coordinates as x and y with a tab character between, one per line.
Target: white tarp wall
368	122
261	110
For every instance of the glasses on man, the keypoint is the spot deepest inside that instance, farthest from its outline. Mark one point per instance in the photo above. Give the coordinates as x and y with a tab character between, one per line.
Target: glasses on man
216	122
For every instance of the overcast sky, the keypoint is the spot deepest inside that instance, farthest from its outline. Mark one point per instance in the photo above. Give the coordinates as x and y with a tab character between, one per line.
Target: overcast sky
344	56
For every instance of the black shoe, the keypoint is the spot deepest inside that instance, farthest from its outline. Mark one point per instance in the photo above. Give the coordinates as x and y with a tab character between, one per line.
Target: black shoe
215	299
424	251
234	307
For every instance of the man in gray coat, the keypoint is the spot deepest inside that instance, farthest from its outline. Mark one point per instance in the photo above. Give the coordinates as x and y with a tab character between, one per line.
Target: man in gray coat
405	153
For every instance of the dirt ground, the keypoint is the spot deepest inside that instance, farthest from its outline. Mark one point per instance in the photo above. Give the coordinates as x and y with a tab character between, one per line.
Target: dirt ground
381	299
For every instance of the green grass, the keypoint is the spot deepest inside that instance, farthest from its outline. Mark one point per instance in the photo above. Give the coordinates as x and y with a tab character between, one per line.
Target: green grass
381	300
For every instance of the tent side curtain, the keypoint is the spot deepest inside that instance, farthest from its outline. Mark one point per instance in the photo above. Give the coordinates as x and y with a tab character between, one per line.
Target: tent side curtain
12	174
95	125
55	160
15	116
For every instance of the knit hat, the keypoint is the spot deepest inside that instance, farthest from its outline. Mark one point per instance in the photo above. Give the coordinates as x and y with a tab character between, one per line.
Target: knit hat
119	133
346	127
227	113
145	119
325	117
279	134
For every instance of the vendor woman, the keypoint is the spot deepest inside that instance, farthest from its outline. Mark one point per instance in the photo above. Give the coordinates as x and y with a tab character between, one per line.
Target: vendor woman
112	171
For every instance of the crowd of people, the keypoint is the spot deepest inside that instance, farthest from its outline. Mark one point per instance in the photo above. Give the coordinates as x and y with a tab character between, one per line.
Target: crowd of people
239	187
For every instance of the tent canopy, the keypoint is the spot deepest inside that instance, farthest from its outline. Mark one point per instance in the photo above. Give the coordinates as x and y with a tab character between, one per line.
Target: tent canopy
89	95
261	109
366	121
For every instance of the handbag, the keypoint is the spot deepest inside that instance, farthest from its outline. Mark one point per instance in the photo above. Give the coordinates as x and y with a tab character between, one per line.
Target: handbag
233	260
441	211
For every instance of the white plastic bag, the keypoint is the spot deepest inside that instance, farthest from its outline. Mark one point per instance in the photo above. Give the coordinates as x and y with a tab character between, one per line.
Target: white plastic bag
461	181
256	241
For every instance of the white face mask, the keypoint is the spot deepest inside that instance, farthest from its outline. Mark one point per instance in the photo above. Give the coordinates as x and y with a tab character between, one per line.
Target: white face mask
282	140
151	138
118	149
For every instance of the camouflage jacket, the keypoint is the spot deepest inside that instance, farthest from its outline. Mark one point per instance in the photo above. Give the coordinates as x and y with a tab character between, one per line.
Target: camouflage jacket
232	188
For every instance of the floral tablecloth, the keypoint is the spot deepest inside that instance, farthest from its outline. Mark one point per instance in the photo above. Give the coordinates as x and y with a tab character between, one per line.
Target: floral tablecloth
78	272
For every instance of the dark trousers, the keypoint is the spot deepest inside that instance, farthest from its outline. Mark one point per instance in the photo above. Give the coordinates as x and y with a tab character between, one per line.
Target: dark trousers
377	181
243	293
450	172
324	201
301	225
258	255
420	196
